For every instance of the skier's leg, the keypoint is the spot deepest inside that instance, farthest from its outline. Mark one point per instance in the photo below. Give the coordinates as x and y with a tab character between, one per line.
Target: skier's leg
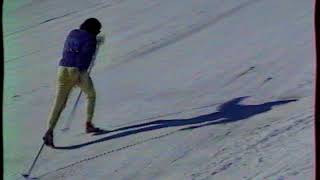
67	78
86	85
65	83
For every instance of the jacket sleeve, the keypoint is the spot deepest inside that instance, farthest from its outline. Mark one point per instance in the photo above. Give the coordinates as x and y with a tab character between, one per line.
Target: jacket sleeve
89	48
87	52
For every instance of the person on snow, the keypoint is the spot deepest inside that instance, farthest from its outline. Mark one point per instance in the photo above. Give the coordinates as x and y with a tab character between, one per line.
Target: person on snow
79	49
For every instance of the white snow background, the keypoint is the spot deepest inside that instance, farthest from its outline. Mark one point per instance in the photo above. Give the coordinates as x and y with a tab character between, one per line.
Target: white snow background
192	89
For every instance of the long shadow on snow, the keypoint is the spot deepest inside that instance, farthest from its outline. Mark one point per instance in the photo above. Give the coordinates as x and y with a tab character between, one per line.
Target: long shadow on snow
228	112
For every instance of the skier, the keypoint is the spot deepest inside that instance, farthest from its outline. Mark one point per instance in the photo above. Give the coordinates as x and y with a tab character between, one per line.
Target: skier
79	49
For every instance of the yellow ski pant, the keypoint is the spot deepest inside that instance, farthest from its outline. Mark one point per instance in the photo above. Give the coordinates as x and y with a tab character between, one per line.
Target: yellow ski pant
69	77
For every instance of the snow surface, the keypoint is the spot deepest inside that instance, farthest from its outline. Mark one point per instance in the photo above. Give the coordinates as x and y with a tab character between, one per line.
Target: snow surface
193	89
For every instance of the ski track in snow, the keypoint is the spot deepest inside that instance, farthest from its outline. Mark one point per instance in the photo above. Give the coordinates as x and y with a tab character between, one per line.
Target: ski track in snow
32	26
78	13
105	153
178	36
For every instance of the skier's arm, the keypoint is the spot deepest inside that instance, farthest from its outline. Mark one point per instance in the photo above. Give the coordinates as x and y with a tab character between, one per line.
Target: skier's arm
89	49
100	40
87	52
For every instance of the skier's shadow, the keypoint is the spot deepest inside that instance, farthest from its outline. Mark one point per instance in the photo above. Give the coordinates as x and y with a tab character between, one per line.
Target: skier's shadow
228	112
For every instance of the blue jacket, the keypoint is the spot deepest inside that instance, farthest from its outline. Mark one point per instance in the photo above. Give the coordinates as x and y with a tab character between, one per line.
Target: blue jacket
78	50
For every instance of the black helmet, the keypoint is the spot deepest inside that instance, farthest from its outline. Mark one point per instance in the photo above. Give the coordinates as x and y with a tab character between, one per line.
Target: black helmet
91	25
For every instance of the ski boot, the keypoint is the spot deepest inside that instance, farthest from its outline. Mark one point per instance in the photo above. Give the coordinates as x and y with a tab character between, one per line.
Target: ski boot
48	138
90	128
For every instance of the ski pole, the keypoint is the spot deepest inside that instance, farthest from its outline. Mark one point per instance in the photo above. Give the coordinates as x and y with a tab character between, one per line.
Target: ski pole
68	122
33	163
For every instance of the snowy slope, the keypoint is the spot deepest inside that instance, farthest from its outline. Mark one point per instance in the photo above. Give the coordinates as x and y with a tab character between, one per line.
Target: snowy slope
202	89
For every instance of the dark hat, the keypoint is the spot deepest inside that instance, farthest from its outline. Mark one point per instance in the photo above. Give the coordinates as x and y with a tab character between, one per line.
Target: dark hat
91	25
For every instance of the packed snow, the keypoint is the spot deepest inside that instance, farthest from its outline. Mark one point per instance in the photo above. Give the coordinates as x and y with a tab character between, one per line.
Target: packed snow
193	89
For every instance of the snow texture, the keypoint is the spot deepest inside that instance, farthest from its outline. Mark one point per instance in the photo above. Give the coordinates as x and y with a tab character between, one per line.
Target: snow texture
193	89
